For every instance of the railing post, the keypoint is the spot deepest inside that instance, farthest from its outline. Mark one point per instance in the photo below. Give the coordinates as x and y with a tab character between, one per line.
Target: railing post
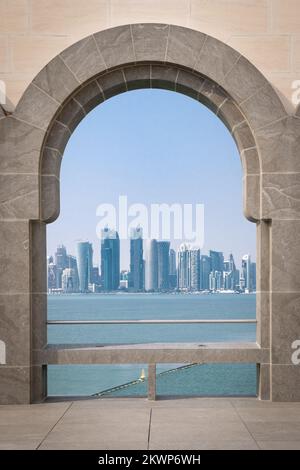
151	381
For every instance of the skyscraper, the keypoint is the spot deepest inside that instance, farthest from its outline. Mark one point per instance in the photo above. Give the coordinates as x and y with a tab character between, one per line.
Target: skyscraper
205	264
85	265
61	262
183	267
172	269
136	278
110	259
245	274
194	266
151	266
163	249
230	275
69	281
253	276
216	260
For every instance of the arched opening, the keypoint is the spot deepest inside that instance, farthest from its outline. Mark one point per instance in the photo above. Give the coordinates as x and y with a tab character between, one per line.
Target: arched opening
214	158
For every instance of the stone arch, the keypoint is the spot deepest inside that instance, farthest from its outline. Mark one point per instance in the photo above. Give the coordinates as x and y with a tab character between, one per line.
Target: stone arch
33	138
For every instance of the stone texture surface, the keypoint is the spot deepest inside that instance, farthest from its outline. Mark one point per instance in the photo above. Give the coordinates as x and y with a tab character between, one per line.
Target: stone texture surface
15	327
84	59
14	385
285	326
286	385
251	194
19	196
36	108
150	41
57	80
116	46
194	423
285	255
216	60
281	196
184	46
20	146
138	77
14	257
279	144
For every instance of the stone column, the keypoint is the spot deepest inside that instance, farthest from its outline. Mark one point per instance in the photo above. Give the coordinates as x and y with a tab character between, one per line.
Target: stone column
285	309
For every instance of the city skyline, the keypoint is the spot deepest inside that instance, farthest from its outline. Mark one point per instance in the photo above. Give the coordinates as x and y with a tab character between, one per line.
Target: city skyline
154	267
155	147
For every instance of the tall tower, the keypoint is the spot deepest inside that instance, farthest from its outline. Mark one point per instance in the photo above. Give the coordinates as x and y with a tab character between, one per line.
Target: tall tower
61	262
163	264
151	266
85	265
183	267
136	278
110	259
246	273
194	267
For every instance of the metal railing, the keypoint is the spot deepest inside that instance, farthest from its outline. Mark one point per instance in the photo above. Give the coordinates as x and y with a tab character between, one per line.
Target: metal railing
145	322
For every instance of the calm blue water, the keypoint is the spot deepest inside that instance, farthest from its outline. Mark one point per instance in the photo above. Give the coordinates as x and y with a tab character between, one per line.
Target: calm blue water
210	379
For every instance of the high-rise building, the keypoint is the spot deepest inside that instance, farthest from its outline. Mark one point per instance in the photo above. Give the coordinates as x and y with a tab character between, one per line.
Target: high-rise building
151	266
52	273
253	276
245	281
61	262
216	260
230	275
163	249
172	269
110	259
215	281
194	266
69	281
85	265
183	267
189	268
136	278
205	264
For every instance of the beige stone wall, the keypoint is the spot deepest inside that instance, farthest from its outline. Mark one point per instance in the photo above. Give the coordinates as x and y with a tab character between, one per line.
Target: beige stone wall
32	32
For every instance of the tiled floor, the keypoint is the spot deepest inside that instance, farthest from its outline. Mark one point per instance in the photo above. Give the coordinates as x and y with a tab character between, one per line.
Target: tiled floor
130	423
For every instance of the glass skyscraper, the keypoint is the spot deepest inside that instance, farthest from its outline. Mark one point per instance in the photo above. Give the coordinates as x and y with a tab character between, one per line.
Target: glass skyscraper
110	260
136	276
163	249
85	265
151	266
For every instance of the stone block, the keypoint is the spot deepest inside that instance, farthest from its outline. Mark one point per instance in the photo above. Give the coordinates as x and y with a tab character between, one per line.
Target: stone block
116	46
15	385
15	328
84	59
184	46
150	41
281	196
14	257
57	80
36	108
20	146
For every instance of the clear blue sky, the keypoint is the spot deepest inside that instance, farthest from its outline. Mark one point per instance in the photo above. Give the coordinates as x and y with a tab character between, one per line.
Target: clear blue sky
154	146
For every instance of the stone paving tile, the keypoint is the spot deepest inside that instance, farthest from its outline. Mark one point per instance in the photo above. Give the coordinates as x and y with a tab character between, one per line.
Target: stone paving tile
279	445
106	428
195	424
